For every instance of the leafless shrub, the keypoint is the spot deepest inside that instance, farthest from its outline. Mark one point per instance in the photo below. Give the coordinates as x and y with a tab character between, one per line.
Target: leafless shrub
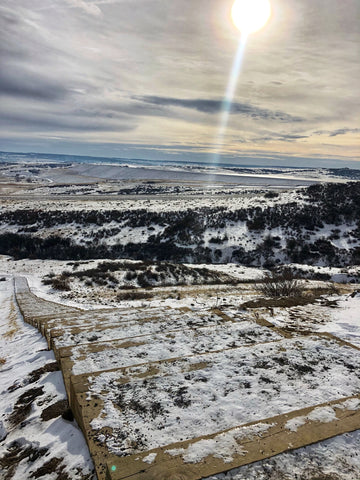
61	282
133	295
280	283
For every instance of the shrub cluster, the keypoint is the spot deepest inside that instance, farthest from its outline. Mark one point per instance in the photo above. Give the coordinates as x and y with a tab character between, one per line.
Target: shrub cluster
139	274
178	236
280	283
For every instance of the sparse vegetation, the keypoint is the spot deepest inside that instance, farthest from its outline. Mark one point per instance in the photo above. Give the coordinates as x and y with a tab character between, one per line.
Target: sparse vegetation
280	283
12	323
133	295
305	297
61	282
180	236
126	275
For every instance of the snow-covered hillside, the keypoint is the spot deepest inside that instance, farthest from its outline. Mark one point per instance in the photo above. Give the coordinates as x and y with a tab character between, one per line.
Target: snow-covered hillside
317	225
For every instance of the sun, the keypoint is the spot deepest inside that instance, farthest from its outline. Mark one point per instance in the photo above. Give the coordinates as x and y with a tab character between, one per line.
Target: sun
249	16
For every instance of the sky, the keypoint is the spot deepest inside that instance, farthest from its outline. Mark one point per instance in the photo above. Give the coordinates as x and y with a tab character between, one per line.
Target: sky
147	79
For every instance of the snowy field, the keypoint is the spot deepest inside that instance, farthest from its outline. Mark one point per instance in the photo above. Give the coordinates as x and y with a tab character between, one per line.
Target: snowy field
341	318
344	322
81	173
175	174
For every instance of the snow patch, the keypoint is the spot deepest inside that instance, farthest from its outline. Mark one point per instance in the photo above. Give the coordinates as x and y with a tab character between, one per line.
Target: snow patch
322	414
150	458
224	446
295	423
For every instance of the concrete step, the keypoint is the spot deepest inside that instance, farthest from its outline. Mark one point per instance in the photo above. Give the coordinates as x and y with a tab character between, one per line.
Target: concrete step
131	351
202	457
64	337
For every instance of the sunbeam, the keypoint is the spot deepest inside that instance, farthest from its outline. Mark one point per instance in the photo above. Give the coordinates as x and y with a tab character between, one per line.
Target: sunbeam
248	16
228	99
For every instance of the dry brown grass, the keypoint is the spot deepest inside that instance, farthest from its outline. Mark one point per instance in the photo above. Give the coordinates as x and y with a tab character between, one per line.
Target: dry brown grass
13	326
306	298
133	295
277	302
2	361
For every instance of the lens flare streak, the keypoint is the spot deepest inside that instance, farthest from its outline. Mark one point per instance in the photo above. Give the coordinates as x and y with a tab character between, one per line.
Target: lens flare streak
229	97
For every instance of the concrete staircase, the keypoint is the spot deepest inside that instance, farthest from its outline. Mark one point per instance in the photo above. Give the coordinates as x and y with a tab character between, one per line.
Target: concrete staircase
106	354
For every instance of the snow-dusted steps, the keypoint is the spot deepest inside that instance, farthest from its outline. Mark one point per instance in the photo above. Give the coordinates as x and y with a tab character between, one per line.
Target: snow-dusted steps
162	404
125	352
201	457
172	394
34	308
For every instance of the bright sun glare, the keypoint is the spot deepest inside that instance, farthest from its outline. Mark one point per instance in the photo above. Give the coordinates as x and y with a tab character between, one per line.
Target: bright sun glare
249	16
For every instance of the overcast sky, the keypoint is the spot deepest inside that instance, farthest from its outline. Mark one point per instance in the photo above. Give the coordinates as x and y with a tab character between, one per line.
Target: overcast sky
146	79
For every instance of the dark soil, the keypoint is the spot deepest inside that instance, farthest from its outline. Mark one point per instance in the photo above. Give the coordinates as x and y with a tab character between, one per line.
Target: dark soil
50	467
279	302
36	374
68	415
55	410
15	454
133	296
22	407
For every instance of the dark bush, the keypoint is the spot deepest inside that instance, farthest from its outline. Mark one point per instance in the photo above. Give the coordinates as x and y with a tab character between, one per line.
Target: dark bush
280	283
133	295
61	283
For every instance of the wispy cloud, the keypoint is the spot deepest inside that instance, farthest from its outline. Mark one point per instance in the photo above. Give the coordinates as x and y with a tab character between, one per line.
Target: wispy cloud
340	131
276	137
57	122
215	106
89	7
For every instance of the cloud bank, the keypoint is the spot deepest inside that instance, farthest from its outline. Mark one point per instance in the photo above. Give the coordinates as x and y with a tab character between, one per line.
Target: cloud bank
106	72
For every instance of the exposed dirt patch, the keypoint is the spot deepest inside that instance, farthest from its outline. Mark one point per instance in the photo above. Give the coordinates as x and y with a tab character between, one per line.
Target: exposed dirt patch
15	454
326	302
23	405
306	298
55	410
68	415
133	295
36	374
14	387
54	465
